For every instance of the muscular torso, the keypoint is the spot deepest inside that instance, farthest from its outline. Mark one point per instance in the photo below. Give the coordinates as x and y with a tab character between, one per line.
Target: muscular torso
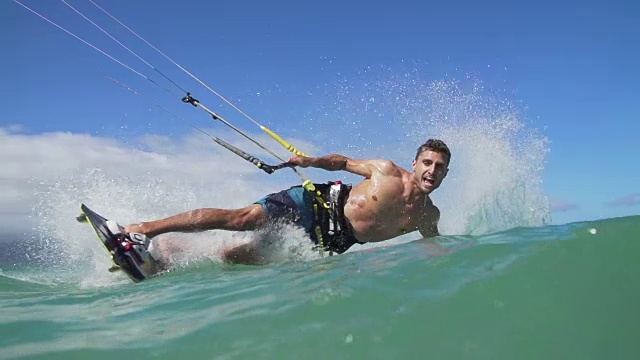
385	206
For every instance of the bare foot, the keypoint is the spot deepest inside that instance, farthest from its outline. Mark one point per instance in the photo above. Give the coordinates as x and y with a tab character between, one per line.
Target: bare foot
136	228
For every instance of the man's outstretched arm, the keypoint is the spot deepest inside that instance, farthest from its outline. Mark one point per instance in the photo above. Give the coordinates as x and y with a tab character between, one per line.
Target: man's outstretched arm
336	162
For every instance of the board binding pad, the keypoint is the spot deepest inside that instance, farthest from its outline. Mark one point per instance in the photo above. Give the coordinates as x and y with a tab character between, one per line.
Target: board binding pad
129	251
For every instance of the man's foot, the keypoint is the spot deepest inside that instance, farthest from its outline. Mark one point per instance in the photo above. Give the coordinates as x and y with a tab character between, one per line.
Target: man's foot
137	228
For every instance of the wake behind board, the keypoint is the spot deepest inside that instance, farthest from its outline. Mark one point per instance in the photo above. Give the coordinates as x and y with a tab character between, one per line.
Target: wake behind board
128	252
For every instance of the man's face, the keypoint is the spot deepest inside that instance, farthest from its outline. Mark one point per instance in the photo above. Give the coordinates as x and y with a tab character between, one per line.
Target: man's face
429	170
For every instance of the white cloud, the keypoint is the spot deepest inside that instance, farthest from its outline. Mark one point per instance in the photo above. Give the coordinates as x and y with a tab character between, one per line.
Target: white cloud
12	129
167	175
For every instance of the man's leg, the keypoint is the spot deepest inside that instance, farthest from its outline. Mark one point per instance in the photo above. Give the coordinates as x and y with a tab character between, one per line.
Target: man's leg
248	218
247	254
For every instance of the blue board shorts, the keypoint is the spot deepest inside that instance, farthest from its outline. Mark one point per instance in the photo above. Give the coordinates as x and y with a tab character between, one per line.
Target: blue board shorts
294	205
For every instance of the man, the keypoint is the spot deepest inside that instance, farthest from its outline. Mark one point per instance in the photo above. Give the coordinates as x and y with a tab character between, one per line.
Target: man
389	202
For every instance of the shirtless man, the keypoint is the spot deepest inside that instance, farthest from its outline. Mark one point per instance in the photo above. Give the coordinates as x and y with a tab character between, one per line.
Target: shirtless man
389	202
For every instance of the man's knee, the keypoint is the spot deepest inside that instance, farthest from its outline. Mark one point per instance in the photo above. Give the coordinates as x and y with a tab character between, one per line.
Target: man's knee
247	254
250	217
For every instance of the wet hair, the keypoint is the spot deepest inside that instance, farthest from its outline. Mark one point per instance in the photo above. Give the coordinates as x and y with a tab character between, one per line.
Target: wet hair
435	145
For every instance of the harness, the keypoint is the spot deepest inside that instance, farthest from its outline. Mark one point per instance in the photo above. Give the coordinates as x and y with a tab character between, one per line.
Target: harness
332	230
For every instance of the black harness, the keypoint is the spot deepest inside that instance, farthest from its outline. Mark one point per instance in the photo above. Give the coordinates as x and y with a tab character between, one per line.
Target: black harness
333	232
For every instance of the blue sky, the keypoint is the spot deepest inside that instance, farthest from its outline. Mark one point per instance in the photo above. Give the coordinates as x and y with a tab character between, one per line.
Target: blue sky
572	65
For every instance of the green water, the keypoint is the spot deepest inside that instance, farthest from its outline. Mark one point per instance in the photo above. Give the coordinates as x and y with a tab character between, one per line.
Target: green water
556	292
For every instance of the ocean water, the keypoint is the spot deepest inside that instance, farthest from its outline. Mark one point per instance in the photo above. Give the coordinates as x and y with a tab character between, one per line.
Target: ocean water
549	292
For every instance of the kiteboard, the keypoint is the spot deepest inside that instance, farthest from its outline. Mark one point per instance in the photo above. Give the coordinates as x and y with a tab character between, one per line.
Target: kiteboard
129	252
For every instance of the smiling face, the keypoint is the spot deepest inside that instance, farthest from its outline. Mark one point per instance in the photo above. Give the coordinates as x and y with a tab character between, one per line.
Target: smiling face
429	169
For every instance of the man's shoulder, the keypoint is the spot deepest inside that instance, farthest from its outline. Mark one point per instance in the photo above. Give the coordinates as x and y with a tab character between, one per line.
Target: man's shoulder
389	168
